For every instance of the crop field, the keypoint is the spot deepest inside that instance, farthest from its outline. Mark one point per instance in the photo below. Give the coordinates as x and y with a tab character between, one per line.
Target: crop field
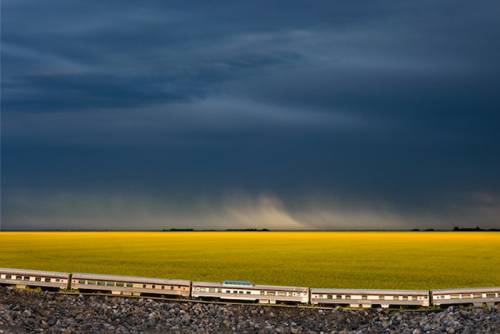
406	260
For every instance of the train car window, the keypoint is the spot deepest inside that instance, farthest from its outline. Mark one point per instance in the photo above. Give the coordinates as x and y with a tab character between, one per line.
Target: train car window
110	283
91	282
8	276
144	286
281	293
101	283
405	297
455	296
47	279
490	295
19	277
364	297
129	285
120	284
81	281
478	295
163	287
347	297
26	278
211	289
38	279
153	287
248	292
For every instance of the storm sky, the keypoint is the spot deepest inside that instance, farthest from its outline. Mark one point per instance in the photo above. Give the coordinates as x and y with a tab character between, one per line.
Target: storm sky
250	114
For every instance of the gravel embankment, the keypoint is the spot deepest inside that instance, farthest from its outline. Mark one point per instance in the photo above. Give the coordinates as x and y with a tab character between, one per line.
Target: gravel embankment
22	312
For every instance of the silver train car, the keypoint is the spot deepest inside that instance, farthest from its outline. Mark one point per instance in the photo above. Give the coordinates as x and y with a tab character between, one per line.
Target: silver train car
369	298
247	291
474	296
130	285
23	278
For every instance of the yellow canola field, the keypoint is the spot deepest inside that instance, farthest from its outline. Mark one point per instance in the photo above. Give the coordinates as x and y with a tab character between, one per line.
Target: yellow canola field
403	260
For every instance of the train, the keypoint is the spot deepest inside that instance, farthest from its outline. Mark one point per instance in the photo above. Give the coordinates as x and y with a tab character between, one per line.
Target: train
245	291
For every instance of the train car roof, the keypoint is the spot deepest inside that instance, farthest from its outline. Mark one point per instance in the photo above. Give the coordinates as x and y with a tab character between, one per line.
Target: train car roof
33	272
254	287
279	287
459	290
130	279
370	291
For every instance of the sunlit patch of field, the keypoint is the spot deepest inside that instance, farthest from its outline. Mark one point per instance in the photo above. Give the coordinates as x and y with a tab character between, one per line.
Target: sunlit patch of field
410	260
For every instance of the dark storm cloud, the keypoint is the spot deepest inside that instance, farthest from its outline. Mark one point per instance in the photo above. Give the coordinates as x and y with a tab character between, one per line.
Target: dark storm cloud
284	114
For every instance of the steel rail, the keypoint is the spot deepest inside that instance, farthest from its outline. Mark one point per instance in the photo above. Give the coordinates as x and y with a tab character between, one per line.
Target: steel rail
230	303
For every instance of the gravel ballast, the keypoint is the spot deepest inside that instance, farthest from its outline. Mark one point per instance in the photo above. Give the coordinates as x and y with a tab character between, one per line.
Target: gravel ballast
43	312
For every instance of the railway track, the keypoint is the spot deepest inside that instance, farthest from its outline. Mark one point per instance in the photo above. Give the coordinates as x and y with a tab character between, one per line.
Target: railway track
195	301
230	303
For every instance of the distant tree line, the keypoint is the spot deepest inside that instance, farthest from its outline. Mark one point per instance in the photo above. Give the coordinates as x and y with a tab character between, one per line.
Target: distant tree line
462	229
455	229
477	228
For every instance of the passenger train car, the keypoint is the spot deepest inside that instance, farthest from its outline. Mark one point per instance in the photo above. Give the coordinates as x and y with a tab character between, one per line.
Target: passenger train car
23	278
245	290
368	298
130	285
474	296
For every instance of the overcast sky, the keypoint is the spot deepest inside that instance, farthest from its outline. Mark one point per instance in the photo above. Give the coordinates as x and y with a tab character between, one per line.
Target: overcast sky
250	114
